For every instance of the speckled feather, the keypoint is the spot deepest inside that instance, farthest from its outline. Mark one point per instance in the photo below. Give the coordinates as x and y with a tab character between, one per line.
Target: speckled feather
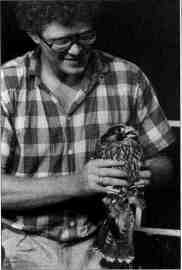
115	236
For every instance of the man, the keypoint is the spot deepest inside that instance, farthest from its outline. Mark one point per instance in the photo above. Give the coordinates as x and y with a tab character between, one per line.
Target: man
56	102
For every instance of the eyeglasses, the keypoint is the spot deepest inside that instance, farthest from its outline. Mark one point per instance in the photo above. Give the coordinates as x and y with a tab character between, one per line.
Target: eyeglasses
63	44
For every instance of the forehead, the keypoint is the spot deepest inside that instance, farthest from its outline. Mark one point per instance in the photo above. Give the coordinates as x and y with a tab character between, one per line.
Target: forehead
55	30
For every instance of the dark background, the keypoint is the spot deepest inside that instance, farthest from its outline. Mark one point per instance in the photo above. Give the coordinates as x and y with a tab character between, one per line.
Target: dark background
146	33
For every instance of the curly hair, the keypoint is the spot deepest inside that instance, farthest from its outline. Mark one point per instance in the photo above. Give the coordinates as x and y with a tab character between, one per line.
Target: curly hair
33	16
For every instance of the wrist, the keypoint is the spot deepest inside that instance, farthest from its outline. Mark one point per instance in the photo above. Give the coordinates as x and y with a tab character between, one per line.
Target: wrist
77	184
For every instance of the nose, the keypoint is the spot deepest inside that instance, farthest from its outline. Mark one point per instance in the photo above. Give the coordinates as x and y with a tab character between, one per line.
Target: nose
75	49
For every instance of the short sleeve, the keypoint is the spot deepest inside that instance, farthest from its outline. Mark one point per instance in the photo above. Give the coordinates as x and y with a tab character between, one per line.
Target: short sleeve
6	142
7	131
154	130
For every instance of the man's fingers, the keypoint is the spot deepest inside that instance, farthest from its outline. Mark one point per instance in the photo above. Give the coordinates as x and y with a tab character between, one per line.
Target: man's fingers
142	183
107	181
112	172
145	174
107	190
144	178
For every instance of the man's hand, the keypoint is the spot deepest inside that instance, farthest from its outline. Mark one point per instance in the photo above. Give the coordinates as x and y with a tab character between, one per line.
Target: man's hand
144	178
99	175
156	171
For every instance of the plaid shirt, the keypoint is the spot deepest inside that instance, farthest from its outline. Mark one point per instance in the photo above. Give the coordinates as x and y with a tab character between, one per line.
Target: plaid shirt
39	140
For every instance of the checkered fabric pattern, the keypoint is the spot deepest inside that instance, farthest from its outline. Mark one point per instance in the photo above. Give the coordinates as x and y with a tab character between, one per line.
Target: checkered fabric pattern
39	140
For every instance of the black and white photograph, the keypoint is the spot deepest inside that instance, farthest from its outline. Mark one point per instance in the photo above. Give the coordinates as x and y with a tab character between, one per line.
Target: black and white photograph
90	134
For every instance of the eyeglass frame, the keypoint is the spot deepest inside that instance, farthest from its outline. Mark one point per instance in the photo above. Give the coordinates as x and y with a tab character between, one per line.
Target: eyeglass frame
75	39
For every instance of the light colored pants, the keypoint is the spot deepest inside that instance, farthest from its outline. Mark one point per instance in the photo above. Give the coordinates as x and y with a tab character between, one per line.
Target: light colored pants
27	252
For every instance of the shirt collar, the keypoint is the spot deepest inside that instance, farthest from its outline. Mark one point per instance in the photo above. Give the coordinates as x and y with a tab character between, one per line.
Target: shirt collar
34	63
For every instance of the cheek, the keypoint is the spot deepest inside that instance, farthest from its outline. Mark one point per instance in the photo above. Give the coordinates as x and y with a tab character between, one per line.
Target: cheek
55	60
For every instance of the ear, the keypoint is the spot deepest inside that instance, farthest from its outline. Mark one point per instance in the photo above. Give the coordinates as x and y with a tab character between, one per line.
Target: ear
35	38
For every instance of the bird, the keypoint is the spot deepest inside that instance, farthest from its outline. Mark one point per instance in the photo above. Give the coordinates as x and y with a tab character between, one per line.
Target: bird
114	240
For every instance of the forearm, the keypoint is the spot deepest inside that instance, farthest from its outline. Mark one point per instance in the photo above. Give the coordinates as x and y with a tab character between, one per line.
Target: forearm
161	168
23	193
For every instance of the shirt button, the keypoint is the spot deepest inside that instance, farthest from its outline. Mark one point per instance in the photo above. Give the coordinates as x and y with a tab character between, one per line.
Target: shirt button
70	152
